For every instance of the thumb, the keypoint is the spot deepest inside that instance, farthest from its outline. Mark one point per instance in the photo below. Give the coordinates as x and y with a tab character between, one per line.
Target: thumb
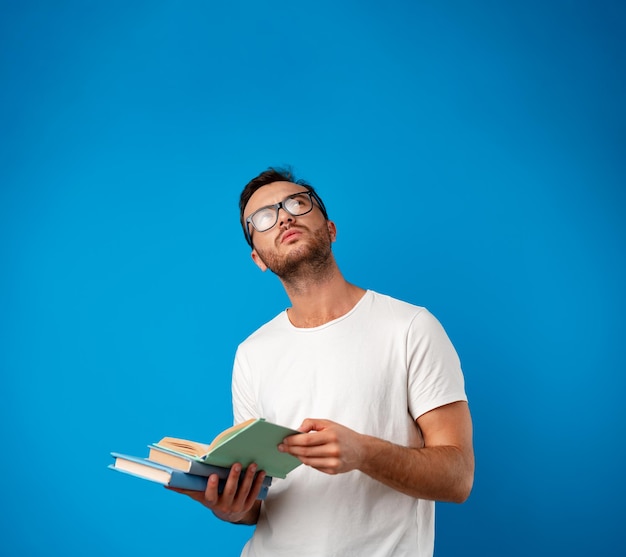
311	424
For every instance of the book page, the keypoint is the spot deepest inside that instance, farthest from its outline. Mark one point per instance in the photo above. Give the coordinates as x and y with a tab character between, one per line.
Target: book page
192	448
228	433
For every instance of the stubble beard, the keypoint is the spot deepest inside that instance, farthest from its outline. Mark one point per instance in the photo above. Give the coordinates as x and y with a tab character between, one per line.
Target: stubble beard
310	260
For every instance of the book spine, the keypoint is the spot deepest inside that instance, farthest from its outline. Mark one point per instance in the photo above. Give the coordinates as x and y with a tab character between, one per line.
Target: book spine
183	480
198	483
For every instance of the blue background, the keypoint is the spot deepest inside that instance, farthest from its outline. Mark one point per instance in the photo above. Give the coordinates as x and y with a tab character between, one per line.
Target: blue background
472	156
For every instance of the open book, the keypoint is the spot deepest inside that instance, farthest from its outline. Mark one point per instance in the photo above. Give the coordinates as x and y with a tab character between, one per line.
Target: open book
255	440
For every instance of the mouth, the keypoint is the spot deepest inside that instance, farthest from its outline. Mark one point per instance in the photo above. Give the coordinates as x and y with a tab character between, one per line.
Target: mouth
290	234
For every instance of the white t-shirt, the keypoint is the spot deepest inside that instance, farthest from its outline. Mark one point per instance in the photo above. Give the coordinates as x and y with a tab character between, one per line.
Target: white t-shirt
375	370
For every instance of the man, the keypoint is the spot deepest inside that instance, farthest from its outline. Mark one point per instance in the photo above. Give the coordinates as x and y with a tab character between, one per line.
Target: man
373	383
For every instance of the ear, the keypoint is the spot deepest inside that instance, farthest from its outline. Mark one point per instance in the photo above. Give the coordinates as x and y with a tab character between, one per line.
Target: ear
332	230
258	261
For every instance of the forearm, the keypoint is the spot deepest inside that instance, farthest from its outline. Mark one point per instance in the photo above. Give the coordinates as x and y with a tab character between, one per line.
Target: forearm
441	473
443	470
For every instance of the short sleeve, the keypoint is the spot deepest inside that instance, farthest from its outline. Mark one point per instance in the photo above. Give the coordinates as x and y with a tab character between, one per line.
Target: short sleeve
435	376
244	407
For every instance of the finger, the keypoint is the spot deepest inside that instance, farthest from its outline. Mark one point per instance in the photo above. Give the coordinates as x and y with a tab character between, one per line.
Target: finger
328	465
199	496
256	488
313	439
211	493
230	487
246	483
322	450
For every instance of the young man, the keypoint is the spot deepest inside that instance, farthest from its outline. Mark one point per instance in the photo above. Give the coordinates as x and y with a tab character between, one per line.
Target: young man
373	383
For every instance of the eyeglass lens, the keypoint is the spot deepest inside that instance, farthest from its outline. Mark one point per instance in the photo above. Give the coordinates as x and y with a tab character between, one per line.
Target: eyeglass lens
296	205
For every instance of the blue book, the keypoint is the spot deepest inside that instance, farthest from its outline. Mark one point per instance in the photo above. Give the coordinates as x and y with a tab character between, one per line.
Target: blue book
190	464
172	477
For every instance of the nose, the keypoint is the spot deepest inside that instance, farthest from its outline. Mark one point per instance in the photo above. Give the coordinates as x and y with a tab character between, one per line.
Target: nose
284	217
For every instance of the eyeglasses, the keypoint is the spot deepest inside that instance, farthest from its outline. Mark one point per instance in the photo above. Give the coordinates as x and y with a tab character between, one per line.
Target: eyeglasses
297	204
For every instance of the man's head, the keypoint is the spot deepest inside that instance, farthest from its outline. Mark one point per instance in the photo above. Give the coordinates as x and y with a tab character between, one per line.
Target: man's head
286	224
267	177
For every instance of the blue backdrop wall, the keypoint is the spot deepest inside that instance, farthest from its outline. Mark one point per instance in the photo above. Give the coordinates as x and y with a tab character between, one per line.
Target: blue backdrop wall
472	156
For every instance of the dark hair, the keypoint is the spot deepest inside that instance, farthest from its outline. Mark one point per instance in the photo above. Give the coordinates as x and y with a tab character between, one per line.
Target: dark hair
269	176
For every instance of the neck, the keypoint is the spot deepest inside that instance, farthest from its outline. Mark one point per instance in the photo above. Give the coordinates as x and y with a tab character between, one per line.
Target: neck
321	298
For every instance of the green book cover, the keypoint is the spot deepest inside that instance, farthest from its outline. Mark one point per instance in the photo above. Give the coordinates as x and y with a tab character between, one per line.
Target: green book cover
253	441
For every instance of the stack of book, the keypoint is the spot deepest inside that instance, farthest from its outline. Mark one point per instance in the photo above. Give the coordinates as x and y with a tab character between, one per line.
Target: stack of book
185	464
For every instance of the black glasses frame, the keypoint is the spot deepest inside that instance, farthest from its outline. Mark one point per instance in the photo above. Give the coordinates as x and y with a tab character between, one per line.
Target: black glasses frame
281	205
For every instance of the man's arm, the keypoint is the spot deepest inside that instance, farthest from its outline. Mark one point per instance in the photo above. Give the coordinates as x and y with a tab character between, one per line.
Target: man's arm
238	502
442	470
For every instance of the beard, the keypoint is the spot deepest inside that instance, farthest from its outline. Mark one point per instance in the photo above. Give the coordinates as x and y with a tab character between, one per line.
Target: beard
307	260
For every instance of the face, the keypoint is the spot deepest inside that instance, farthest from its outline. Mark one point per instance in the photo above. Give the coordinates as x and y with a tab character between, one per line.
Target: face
293	242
